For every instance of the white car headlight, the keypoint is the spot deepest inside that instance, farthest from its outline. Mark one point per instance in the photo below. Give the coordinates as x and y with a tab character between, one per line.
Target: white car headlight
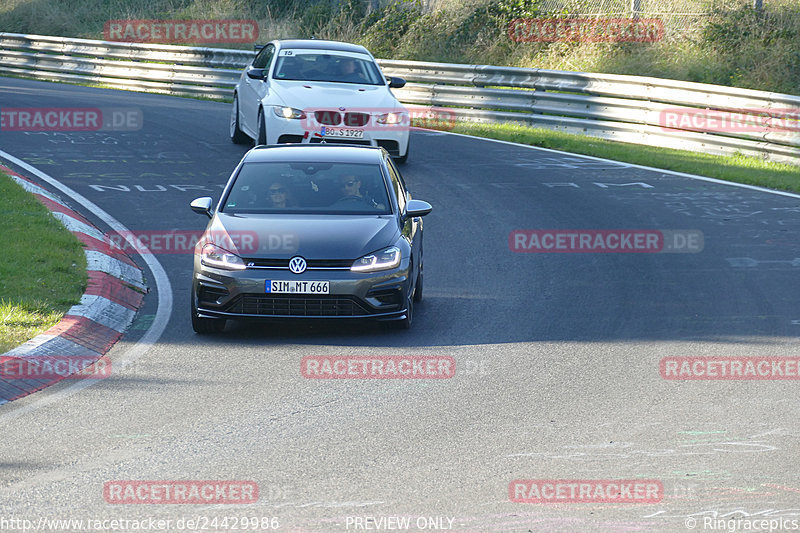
288	112
218	257
392	118
383	260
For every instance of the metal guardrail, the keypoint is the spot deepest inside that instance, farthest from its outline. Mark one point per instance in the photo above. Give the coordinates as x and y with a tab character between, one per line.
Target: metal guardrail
623	108
180	70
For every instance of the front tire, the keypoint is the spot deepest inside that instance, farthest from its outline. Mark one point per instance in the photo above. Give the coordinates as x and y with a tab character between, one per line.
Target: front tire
403	159
237	135
418	285
261	138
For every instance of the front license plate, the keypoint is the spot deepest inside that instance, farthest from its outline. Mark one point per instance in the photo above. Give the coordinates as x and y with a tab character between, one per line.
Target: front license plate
343	132
298	287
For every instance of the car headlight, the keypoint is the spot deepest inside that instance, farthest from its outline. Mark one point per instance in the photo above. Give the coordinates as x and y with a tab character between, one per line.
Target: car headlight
288	112
391	118
218	257
383	260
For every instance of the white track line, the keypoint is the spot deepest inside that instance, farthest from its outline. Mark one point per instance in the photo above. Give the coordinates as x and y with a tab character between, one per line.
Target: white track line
163	289
631	165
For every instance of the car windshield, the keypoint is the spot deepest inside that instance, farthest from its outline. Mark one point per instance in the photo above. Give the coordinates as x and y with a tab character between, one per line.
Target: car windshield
308	188
307	65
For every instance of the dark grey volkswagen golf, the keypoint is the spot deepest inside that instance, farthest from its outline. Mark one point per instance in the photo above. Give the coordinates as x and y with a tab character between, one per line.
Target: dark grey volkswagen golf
324	231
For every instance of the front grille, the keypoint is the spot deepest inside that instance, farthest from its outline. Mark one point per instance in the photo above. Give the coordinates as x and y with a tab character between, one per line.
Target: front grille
295	305
334	118
356	120
311	263
271	263
329	263
331	118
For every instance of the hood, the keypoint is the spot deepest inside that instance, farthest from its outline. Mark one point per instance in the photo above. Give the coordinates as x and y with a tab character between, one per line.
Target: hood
320	95
311	236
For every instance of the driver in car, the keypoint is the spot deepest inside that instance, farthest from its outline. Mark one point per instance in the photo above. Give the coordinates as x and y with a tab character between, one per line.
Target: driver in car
350	187
347	71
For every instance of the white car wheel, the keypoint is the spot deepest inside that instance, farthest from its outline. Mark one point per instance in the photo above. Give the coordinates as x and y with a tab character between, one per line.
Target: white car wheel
237	135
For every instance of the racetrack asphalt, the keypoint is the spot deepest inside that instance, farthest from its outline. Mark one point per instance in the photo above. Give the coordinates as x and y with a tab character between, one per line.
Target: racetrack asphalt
557	354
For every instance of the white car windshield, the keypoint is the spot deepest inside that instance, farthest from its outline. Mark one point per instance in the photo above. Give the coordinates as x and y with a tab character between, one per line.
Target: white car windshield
326	66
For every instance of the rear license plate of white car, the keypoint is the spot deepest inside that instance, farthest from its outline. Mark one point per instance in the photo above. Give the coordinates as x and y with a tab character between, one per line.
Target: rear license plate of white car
297	287
343	132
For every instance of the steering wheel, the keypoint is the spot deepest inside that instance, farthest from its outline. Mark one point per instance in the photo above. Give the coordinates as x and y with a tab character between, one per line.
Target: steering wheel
351	198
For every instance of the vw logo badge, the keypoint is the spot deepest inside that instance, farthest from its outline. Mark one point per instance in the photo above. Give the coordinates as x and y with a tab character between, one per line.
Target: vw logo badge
297	265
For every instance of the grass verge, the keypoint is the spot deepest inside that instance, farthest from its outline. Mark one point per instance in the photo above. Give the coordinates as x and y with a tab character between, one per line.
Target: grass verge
738	168
43	271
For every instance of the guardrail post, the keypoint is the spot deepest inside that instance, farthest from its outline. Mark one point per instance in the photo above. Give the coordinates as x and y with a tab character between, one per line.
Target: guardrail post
636	8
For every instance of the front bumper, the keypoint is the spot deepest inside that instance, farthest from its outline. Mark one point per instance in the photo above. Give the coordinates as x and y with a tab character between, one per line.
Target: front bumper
242	294
292	131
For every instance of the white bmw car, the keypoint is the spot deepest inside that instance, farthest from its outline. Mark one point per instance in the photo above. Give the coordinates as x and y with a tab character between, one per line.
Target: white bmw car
310	91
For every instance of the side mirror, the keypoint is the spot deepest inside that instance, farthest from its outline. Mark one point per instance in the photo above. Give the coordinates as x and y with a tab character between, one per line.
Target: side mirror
202	206
396	83
417	208
255	73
